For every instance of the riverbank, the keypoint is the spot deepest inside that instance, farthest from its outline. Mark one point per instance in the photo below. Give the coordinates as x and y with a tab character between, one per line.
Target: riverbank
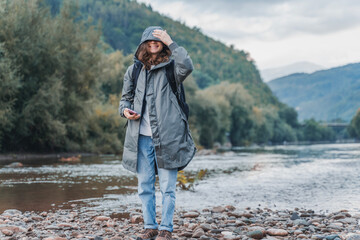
219	222
28	157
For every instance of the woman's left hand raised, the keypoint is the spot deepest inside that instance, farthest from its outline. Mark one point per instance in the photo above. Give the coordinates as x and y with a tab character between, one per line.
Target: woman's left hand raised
163	36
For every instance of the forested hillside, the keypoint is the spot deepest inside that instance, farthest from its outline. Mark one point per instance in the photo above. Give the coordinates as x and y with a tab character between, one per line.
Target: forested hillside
62	68
324	95
123	22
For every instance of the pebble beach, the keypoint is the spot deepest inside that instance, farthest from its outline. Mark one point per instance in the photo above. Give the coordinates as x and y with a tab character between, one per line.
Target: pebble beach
219	222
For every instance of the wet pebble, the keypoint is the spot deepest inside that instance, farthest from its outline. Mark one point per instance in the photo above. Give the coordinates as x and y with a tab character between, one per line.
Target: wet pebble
136	219
198	233
277	232
191	214
301	222
7	232
294	216
218	209
102	218
256	234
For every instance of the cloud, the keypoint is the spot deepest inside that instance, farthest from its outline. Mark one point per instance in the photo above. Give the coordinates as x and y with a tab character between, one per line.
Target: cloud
276	32
264	19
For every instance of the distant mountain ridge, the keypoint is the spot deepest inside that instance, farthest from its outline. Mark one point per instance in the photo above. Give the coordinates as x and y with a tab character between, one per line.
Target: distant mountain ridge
324	95
298	67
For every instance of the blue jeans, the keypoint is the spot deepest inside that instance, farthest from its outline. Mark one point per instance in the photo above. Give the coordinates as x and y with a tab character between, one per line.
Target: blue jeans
146	163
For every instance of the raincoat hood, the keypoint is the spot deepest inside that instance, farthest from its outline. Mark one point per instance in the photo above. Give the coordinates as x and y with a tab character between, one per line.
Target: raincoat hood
147	36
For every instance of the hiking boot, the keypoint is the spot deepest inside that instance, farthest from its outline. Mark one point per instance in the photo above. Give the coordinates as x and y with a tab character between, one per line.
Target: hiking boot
164	235
147	234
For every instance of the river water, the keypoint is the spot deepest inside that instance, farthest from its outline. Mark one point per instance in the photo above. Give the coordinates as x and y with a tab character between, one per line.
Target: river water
318	177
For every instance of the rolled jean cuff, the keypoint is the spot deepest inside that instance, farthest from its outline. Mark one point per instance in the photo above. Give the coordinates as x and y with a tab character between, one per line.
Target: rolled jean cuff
150	227
165	228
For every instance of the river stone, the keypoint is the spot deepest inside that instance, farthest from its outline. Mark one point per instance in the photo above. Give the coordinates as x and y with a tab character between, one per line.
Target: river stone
256	234
198	233
209	220
7	232
12	228
44	214
294	216
301	222
353	236
234	214
110	223
247	215
348	220
192	226
277	232
37	218
304	215
216	230
11	212
136	219
205	226
337	226
270	238
339	216
191	214
204	237
301	236
55	238
52	227
218	209
230	208
15	165
226	233
102	218
186	234
332	237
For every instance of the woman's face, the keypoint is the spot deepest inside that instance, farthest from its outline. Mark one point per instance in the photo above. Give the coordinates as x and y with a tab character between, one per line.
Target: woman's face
154	47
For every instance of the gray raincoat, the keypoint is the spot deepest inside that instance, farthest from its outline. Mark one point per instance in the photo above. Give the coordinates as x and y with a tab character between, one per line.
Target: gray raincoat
174	146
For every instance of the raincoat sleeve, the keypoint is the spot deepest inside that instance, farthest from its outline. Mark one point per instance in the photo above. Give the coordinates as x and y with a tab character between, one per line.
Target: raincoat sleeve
127	97
183	62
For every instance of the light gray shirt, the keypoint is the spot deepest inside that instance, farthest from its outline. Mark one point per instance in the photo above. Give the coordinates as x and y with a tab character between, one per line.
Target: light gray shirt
145	128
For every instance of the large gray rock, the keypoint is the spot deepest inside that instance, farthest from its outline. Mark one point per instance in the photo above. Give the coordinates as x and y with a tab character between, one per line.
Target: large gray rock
11	212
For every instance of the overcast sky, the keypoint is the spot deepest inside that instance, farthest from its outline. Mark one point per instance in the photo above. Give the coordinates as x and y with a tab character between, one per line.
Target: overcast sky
276	32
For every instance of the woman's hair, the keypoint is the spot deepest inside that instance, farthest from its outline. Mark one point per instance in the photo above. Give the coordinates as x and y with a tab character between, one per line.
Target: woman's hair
145	57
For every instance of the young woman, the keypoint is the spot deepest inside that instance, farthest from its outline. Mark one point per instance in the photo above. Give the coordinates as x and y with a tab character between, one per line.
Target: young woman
158	139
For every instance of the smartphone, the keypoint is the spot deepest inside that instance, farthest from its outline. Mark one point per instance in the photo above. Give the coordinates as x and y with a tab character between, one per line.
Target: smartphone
132	112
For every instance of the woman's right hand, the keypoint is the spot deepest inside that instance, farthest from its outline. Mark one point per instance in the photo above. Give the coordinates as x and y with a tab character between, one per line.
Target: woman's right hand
130	116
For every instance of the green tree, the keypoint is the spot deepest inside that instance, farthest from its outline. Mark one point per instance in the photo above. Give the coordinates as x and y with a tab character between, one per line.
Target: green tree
9	84
60	64
354	127
313	131
241	125
289	115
